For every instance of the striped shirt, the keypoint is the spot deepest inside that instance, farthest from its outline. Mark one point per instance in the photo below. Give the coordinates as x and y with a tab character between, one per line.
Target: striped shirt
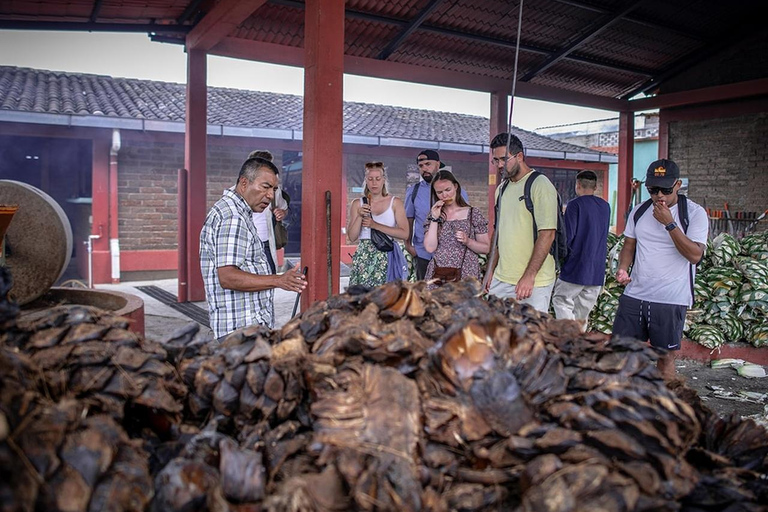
230	238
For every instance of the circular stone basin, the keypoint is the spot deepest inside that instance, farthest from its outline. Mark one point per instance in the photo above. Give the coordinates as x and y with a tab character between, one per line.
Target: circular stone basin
118	303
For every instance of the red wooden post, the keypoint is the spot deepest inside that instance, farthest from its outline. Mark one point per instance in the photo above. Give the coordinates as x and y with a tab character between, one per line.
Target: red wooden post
323	95
626	156
195	163
102	265
499	120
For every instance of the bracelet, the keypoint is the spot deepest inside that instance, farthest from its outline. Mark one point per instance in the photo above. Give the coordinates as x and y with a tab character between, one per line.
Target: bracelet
432	219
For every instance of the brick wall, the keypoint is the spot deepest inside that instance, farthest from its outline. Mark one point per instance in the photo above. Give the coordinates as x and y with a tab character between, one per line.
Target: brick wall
725	160
147	188
147	184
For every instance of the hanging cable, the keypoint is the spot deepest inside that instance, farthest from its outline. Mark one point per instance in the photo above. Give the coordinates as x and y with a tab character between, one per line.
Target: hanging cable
514	77
494	254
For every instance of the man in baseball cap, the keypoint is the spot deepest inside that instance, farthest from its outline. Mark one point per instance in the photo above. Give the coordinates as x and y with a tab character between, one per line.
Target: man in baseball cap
663	247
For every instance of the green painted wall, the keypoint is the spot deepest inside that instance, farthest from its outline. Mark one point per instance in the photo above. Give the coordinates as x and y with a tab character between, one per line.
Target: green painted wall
646	151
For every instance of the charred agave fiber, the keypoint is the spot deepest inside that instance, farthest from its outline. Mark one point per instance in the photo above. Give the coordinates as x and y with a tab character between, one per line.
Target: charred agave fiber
395	398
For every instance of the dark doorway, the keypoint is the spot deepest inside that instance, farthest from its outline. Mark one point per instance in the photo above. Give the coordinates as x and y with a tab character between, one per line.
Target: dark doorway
59	167
564	181
291	183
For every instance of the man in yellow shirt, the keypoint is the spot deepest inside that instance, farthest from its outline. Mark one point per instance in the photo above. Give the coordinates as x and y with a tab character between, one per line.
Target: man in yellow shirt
522	267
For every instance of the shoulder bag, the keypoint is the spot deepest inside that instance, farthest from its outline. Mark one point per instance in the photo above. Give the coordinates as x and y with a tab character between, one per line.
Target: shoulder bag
452	274
382	242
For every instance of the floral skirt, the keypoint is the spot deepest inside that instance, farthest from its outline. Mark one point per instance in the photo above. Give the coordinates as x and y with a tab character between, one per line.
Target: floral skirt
369	265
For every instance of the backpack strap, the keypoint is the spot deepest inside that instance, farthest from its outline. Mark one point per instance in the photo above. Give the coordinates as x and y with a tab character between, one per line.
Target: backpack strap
640	211
413	194
529	201
497	206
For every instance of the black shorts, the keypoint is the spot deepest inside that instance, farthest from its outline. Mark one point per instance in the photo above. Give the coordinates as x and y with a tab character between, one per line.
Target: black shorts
661	324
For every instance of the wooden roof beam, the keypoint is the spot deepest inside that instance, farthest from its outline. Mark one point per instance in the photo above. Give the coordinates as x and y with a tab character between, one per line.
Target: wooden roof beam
219	22
409	29
95	10
294	56
590	32
717	93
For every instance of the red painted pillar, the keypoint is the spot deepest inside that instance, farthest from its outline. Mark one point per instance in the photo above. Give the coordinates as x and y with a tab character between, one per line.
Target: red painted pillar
626	157
663	135
499	120
322	147
102	268
195	162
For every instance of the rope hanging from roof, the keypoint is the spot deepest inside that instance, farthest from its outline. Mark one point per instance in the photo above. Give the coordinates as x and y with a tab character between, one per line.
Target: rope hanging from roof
514	74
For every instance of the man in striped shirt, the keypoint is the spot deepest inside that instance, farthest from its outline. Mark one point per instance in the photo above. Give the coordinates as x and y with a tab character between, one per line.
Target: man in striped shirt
239	284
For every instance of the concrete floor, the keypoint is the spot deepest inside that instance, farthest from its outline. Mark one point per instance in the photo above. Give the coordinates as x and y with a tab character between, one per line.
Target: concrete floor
160	321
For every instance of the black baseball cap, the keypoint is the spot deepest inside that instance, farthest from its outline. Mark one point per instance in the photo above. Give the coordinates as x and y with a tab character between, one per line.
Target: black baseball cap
662	173
431	154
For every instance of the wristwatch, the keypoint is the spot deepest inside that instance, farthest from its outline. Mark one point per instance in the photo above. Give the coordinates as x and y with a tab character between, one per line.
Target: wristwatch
670	226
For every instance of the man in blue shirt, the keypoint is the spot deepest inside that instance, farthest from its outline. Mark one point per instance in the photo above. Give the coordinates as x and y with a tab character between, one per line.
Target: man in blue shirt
587	219
418	202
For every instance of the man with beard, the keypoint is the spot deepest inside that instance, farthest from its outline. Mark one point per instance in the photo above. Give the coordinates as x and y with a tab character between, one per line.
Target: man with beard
521	268
417	205
239	284
663	246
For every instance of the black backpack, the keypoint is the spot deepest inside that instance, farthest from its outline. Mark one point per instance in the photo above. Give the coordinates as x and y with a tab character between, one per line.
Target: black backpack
682	210
559	249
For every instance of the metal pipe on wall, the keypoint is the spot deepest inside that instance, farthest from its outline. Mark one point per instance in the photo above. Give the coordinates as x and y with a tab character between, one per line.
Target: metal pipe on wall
114	240
182	252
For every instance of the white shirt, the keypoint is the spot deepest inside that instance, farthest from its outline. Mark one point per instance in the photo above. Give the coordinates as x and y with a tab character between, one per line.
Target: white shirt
660	273
260	220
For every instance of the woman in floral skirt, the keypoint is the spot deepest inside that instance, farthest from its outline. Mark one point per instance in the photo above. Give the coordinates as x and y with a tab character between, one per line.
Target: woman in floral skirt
375	210
455	232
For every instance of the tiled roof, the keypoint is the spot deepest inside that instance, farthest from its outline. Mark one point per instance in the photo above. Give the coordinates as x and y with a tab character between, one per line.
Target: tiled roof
51	92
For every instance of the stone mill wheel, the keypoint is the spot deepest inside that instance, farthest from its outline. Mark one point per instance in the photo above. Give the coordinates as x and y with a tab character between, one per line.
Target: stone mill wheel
38	240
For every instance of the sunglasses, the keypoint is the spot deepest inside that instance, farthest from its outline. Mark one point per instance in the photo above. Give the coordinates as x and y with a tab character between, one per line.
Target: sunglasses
374	164
655	190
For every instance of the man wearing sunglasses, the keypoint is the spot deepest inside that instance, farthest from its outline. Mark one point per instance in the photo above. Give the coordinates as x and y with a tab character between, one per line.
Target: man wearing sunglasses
663	246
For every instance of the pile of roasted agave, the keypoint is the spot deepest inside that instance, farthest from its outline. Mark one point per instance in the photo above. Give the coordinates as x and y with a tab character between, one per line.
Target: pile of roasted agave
395	398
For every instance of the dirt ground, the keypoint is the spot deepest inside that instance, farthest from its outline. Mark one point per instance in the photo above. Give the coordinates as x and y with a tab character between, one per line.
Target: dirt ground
720	388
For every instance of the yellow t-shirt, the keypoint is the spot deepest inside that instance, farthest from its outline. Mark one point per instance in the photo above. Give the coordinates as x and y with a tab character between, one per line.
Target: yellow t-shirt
516	229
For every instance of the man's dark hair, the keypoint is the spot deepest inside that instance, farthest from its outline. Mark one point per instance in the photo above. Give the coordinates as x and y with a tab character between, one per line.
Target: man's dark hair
252	166
515	145
587	179
262	153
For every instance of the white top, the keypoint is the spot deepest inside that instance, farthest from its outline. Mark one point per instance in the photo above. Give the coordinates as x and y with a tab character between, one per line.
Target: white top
660	273
260	220
387	218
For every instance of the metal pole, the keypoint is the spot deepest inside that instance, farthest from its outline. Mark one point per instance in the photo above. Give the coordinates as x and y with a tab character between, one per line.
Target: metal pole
89	243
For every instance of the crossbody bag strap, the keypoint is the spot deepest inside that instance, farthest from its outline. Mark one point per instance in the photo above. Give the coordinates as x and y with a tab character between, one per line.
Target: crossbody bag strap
469	235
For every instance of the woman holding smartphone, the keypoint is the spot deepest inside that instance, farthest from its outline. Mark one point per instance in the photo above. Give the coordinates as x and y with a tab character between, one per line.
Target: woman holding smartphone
377	209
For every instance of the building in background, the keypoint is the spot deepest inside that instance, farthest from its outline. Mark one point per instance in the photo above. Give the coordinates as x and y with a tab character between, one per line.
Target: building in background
109	150
603	135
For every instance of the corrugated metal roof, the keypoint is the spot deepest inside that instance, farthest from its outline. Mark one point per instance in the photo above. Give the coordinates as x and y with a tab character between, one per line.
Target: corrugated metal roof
608	52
